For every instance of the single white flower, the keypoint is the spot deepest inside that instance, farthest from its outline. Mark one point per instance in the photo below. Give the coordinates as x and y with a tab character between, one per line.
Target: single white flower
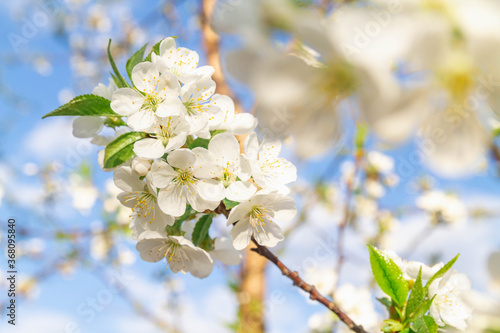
154	95
269	170
225	252
169	133
141	197
224	170
256	218
227	119
181	62
179	252
199	109
177	184
448	306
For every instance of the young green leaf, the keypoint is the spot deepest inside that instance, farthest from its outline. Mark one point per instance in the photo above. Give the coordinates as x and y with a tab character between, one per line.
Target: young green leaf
119	80
442	271
425	324
417	295
134	60
420	310
391	325
388	276
200	231
120	150
230	204
85	105
199	142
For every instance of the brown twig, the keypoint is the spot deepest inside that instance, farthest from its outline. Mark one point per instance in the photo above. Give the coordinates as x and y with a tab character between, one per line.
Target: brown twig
297	281
311	290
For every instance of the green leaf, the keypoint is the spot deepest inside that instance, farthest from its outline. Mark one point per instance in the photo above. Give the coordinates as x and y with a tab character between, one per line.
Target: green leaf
117	77
406	330
121	149
425	324
417	295
391	325
134	60
229	203
199	142
420	310
200	231
155	49
388	276
85	105
442	271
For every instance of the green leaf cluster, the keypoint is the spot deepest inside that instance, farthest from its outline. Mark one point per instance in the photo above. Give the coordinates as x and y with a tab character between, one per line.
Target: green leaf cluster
409	302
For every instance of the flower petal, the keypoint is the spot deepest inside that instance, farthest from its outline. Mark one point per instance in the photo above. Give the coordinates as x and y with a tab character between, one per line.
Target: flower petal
181	158
284	208
172	200
225	147
241	235
152	250
240	191
145	77
162	174
210	189
126	101
149	148
238	213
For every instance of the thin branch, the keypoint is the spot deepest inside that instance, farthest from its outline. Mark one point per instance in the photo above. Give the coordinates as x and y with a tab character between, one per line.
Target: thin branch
311	290
297	281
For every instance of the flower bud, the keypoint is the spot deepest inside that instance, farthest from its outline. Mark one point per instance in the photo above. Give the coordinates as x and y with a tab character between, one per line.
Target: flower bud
141	165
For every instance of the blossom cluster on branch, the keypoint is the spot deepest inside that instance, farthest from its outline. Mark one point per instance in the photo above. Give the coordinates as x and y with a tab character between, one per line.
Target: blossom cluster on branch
181	156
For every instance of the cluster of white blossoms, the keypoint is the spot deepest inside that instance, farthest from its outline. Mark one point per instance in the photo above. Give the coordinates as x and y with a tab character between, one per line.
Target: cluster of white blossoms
188	162
449	291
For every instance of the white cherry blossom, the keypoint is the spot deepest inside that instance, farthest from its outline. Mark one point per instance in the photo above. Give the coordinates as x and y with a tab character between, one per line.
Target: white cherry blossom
269	170
256	216
448	306
178	185
199	109
227	119
141	197
181	62
153	95
224	169
169	133
179	252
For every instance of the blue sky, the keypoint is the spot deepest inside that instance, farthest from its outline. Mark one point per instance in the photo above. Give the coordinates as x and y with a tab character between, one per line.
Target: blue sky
208	303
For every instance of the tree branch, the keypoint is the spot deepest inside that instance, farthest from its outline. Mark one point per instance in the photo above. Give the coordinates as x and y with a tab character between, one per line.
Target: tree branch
311	290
